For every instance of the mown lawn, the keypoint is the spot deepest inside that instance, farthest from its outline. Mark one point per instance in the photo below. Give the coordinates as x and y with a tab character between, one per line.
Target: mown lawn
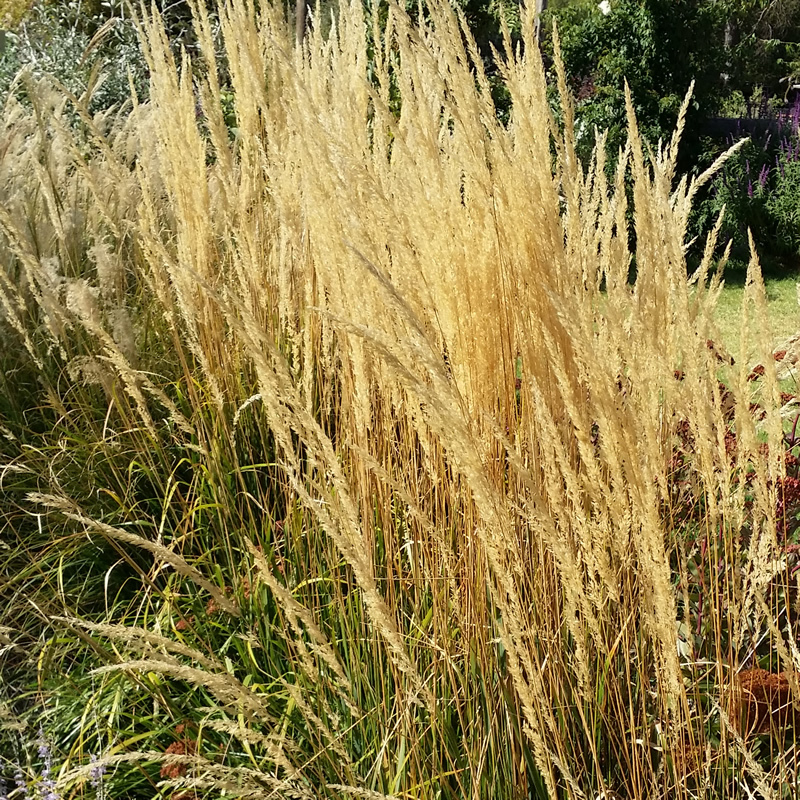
782	300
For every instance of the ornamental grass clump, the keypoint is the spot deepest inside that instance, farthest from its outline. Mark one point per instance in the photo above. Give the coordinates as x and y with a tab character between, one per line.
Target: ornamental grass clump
405	487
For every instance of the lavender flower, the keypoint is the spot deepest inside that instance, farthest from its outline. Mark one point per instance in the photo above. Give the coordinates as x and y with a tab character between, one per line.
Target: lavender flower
21	784
763	175
48	791
47	786
749	188
44	752
97	772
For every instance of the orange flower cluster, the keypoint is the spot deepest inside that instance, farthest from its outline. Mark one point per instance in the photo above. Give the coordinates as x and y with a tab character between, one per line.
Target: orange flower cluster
183	747
763	702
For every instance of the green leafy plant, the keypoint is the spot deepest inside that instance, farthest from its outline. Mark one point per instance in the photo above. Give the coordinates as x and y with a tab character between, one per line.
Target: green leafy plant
759	188
659	47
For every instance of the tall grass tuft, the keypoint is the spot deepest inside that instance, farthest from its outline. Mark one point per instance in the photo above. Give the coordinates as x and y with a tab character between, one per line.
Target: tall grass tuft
400	434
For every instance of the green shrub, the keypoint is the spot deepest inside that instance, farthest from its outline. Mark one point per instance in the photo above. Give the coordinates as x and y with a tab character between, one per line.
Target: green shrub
759	188
659	47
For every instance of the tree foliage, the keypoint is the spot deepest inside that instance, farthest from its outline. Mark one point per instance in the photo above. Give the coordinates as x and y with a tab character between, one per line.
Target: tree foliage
763	44
658	46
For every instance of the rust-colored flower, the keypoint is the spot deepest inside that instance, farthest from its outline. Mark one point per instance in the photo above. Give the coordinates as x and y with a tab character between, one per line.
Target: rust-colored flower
788	502
780	355
688	760
184	623
181	748
763	702
684	431
758	372
791	490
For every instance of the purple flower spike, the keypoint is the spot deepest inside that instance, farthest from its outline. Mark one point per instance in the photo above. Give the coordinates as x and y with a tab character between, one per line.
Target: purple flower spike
48	791
749	188
44	751
21	784
47	786
763	175
98	770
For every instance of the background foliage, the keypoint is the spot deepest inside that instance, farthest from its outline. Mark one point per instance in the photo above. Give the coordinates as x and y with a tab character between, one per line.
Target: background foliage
659	47
742	56
92	49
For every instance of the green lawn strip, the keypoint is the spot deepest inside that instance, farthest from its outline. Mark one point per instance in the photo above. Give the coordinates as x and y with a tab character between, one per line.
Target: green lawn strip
784	312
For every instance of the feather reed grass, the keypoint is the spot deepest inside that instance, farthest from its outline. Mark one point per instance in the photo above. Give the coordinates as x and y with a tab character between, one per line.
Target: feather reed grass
376	364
